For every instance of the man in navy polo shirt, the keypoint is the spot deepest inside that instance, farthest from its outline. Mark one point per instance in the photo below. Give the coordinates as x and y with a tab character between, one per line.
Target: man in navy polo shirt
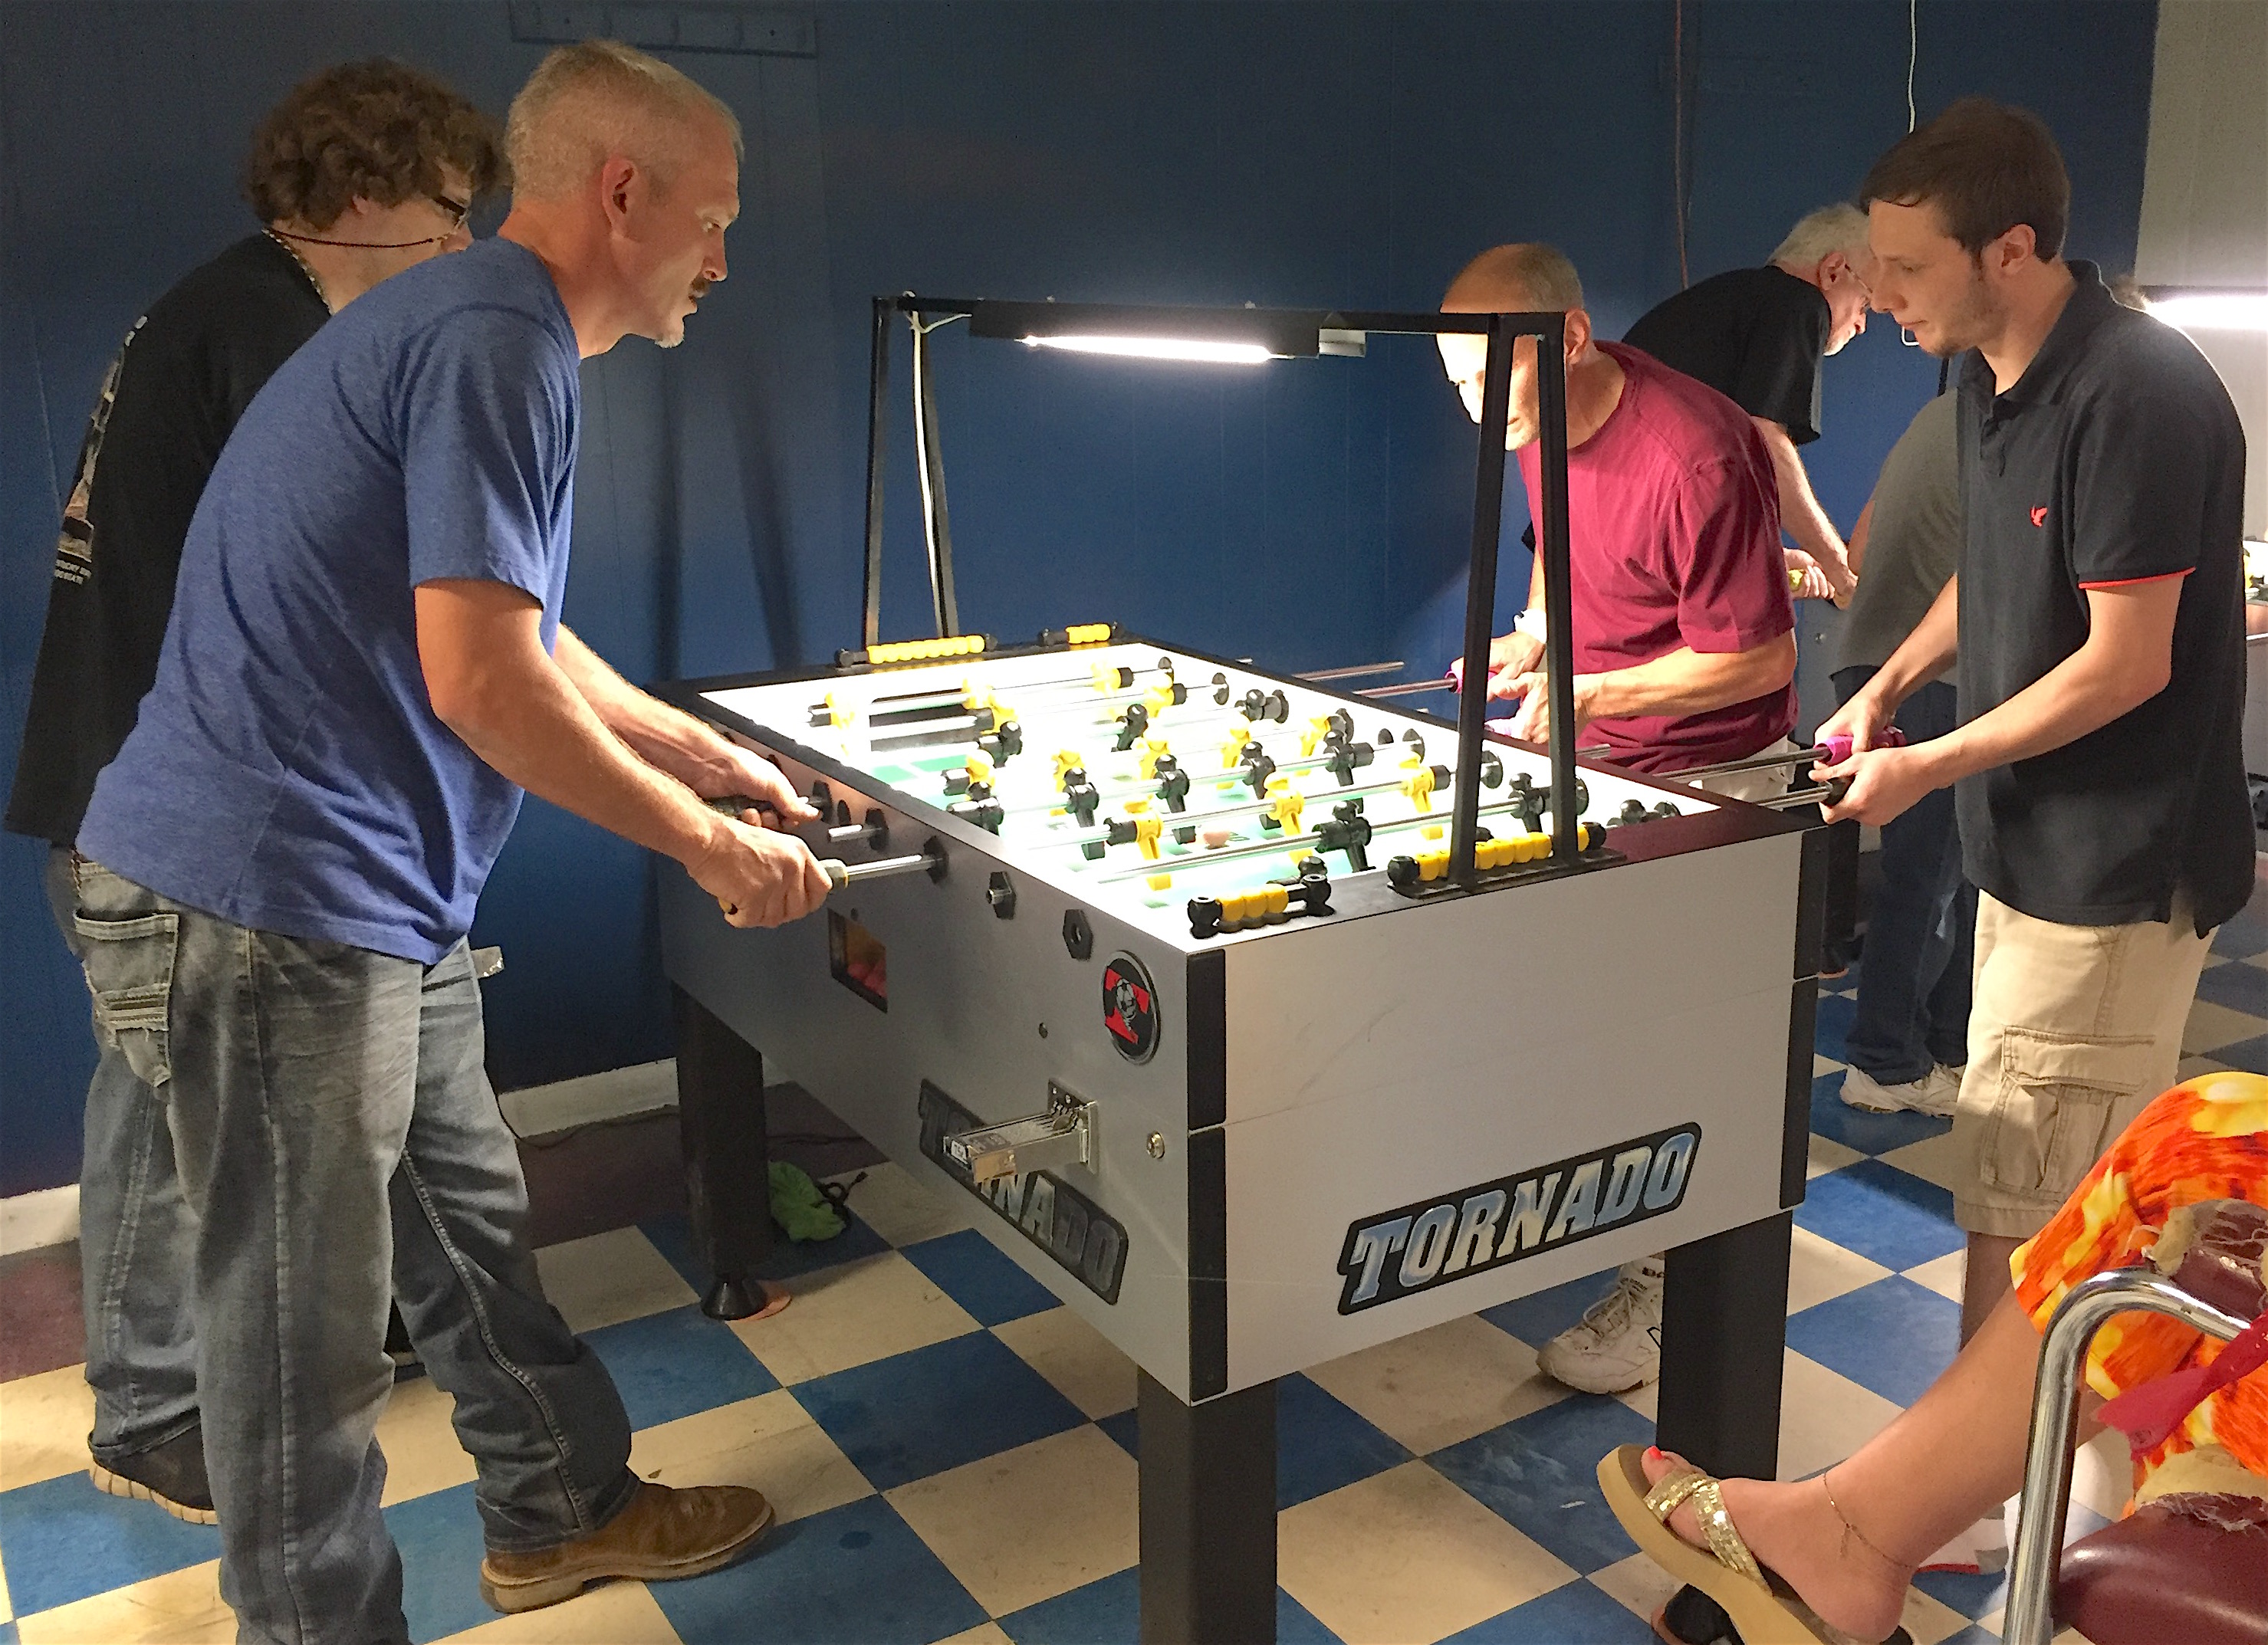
364	669
2097	617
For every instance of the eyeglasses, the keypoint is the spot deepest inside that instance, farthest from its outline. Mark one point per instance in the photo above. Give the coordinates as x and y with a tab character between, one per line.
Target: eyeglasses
455	210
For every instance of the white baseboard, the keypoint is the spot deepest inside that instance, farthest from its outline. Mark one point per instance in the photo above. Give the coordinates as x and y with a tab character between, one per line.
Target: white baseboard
50	1216
616	1094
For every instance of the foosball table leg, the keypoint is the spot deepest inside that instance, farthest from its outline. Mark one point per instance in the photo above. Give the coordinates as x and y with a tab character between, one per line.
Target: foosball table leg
720	1114
1208	1516
1724	1334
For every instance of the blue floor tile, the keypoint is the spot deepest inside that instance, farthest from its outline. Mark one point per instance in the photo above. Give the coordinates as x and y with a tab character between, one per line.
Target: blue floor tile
2241	935
1538	1319
1868	1133
8	1634
439	1536
1125	1426
2240	987
61	1539
1972	1593
1889	1215
1573	1613
971	1270
2250	1054
673	1364
1109	1612
914	1415
1894	1336
1836	1011
673	1236
1321	1445
1539	1471
857	1572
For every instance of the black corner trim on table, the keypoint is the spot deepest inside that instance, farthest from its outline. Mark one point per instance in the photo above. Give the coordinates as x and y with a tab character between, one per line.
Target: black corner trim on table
1811	894
1208	1035
1795	1143
1208	1188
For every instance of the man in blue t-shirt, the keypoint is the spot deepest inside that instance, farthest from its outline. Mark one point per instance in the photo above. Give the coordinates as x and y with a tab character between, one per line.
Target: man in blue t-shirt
363	670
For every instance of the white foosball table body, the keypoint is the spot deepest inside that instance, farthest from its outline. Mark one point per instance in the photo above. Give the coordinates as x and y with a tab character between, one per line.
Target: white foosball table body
1319	1134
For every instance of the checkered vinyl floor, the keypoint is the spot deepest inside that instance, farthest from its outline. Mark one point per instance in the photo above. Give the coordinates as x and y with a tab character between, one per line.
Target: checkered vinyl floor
952	1453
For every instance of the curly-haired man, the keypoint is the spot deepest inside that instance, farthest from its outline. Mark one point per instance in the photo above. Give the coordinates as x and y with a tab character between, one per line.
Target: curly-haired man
361	171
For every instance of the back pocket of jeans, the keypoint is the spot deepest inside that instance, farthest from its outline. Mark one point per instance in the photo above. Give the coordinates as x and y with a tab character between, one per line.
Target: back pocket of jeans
2051	1116
130	971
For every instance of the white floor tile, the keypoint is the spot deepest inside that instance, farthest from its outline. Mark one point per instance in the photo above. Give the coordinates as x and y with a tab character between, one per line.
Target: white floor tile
608	1278
1944	1274
1824	1417
853	1314
1441	1386
898	1208
1828	1154
769	1441
1405	1558
1032	1523
1819	1271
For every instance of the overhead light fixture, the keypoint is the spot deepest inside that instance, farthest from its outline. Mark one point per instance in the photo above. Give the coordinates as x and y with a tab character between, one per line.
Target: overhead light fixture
2190	308
1136	331
1160	349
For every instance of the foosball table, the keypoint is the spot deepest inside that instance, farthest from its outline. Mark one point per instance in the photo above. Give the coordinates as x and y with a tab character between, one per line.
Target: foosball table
1265	1021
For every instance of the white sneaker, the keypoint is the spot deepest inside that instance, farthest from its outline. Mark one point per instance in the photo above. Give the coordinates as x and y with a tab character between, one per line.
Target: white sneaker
1982	1548
1947	1078
1926	1095
1617	1345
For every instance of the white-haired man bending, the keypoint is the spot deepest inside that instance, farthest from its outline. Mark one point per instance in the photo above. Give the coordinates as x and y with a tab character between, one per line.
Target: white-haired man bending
1757	336
364	670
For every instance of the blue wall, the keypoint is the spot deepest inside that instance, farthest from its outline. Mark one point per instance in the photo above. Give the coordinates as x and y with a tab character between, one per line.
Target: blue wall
1308	514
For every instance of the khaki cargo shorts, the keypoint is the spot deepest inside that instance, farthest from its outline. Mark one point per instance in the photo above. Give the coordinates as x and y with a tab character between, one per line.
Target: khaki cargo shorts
2074	1030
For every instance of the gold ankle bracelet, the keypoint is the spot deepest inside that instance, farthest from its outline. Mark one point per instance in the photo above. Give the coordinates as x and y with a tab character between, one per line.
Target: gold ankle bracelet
1851	1530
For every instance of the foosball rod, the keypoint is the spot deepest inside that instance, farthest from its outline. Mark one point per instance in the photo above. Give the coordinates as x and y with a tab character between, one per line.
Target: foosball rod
1247	808
1191	862
1319	676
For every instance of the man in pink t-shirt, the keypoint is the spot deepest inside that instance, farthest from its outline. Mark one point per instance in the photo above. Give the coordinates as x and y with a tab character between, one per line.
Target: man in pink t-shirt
1683	635
1684	639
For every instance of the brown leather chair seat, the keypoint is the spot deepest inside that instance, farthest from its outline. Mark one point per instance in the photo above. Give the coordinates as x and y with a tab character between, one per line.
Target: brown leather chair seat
2181	1570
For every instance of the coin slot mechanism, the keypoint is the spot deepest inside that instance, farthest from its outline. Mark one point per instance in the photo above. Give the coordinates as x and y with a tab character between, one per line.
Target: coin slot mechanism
857	960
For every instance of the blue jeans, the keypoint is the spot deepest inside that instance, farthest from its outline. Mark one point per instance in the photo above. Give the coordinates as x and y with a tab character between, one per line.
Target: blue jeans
1914	988
134	1234
338	1140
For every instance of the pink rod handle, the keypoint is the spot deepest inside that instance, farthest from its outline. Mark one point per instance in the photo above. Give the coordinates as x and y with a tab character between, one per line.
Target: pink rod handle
1837	748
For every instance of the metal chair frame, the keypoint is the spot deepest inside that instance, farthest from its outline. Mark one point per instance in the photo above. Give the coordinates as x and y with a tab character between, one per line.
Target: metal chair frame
2030	1617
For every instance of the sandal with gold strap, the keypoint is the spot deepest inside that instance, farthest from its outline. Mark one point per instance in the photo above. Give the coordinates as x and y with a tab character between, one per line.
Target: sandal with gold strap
1763	1608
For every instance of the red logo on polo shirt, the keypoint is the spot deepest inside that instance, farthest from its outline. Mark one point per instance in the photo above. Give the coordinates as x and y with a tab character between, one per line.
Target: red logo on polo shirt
2040	516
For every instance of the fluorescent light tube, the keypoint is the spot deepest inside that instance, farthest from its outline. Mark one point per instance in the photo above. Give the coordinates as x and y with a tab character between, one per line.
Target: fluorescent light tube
2212	310
1160	349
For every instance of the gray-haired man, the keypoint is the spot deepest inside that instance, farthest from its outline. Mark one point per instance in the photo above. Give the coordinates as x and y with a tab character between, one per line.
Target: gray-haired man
1757	336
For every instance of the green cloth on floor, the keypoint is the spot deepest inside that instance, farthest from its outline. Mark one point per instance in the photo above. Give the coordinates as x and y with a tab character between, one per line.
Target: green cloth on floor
803	1213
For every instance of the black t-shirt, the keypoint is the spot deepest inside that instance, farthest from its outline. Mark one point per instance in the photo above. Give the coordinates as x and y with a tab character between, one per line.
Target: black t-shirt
2116	457
182	378
1755	335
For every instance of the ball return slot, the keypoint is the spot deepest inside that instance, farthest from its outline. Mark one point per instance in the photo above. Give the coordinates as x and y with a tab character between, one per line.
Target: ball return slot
1063	1135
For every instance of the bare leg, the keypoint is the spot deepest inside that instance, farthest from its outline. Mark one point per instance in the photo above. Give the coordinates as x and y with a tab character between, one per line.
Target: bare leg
1946	1461
1985	1281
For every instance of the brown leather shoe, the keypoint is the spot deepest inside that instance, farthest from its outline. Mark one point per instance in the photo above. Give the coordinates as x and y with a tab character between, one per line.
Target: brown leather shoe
664	1533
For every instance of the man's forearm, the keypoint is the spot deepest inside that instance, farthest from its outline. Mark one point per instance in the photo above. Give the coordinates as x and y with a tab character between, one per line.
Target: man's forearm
1693	682
534	725
665	737
2127	659
1800	513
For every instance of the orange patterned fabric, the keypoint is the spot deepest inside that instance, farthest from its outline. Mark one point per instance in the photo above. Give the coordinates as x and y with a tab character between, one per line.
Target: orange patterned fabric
2207	1139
